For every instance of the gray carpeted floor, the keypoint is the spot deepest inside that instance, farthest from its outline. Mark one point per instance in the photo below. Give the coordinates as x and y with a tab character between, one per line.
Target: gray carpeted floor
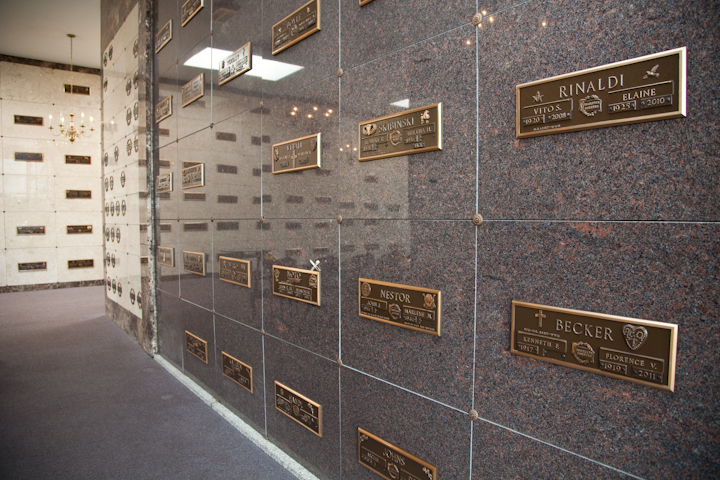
80	400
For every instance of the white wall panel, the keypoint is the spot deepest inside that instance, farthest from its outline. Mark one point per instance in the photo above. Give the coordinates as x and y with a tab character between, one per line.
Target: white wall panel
63	219
29	219
15	256
49	149
29	194
65	274
63	204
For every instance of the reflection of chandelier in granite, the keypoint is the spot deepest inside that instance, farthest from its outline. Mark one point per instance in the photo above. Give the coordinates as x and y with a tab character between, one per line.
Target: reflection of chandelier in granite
72	132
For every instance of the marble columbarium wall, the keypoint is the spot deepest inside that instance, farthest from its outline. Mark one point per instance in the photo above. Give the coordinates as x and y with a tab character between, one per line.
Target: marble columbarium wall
38	169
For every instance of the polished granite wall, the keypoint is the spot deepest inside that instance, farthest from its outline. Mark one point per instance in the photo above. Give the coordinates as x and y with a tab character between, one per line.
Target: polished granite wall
619	220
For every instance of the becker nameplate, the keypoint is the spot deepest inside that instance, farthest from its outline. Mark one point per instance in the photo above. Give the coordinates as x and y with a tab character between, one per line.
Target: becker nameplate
189	9
89	263
301	409
78	194
163	109
298	154
196	346
72	229
194	262
78	159
235	64
30	266
303	285
641	351
28	120
416	308
194	176
389	461
193	90
412	131
39	230
237	371
234	270
28	157
166	256
300	24
163	36
164	183
642	89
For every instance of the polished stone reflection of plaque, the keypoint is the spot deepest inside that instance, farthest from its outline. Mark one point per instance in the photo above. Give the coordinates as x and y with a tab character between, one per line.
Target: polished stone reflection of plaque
195	226
298	154
642	89
193	90
194	176
166	256
164	183
234	270
78	159
300	24
89	263
237	371
301	409
73	229
196	346
412	131
30	266
163	109
391	462
28	120
298	284
235	64
194	262
641	351
76	89
163	36
39	230
78	194
28	157
416	308
189	9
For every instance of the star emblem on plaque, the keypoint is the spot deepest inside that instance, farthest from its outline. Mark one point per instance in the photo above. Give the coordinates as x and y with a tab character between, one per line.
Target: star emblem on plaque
538	97
635	335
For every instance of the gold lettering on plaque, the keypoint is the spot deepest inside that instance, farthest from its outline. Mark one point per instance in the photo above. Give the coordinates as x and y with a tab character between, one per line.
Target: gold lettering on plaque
298	154
300	24
298	407
296	283
193	90
389	461
406	306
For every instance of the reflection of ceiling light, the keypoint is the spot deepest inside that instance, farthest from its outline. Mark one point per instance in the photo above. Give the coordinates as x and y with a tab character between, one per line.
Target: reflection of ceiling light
402	103
271	70
204	59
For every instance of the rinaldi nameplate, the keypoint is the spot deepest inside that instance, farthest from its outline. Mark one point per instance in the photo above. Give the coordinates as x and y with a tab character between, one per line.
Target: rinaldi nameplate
298	284
78	159
193	90
78	194
300	24
234	270
301	409
194	176
28	157
298	154
30	266
189	9
237	371
89	263
412	131
391	462
163	36
416	308
235	64
39	230
194	262
72	229
164	183
166	256
163	109
642	89
196	346
641	351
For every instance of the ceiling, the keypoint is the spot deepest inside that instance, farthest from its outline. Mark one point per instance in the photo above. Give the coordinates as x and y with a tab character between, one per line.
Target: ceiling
38	29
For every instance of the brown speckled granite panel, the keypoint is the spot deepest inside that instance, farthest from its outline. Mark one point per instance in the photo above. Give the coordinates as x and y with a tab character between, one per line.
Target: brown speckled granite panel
165	86
171	331
164	11
195	288
196	116
192	149
200	323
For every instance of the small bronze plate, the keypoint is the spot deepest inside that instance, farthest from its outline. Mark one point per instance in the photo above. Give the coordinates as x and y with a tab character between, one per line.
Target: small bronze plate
166	256
76	89
30	266
389	461
163	36
642	89
234	270
164	183
300	24
28	157
194	197
195	226
73	229
193	177
235	64
163	109
412	131
237	371
189	9
364	2
194	262
641	351
301	409
78	159
196	346
193	90
28	120
90	263
40	230
298	154
78	194
303	285
410	307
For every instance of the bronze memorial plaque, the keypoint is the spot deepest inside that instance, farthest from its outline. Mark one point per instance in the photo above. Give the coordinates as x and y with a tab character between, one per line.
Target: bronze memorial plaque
28	120
30	266
197	346
194	176
298	284
39	230
90	263
193	90
78	194
189	9
237	371
298	154
164	183
235	64
76	89
301	409
166	256
163	109
364	2
300	24
642	89
28	157
234	270
163	36
78	159
416	308
389	461
72	229
641	351
194	262
412	131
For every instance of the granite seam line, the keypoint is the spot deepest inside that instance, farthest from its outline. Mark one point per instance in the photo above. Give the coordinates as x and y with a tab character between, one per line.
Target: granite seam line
301	348
238	322
209	310
194	132
339	227
474	364
265	413
472	431
251	434
287	96
340	34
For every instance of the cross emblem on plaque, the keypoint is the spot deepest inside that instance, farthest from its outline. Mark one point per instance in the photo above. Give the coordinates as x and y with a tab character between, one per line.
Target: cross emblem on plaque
540	317
294	156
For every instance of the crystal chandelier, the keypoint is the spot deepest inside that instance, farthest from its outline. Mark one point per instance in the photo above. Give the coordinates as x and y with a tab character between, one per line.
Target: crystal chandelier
71	131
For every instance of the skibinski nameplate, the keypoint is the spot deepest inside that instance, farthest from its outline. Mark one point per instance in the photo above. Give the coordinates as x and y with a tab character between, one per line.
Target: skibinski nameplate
196	346
234	270
235	64
298	154
298	407
391	462
300	24
237	371
416	308
298	284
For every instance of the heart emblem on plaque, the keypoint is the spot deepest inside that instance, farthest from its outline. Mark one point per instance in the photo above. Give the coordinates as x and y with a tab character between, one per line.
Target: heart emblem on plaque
635	336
